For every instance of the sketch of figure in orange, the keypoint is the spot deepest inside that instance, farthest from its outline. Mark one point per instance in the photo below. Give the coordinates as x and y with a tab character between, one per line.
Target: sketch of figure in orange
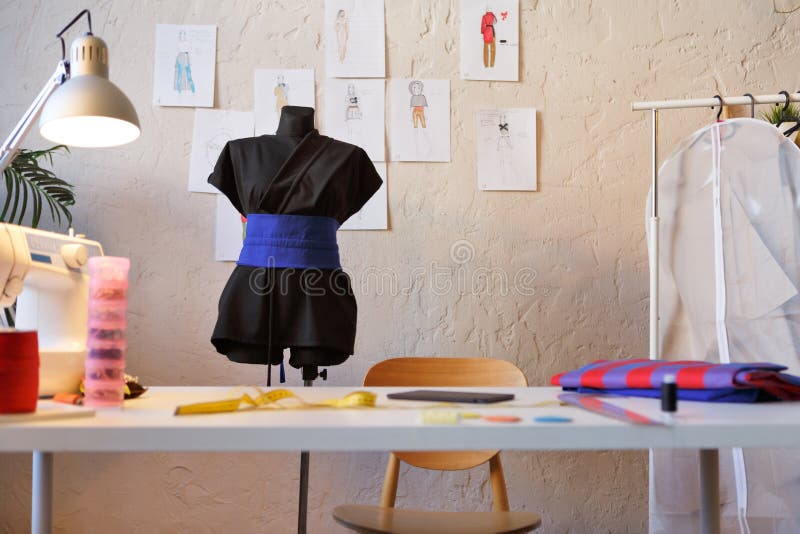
342	33
418	103
489	37
281	93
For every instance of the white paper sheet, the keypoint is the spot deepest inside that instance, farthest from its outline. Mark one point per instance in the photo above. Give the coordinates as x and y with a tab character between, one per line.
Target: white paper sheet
373	215
184	65
212	129
490	40
229	231
355	39
506	147
420	119
275	88
354	113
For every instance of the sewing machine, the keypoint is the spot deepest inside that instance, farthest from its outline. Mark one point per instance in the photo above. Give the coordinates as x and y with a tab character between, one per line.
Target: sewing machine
45	273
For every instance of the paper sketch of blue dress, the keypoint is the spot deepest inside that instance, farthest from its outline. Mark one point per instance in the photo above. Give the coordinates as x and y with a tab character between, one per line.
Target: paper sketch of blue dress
183	67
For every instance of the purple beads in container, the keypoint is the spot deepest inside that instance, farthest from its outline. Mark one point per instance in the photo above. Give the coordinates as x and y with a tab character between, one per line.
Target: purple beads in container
104	379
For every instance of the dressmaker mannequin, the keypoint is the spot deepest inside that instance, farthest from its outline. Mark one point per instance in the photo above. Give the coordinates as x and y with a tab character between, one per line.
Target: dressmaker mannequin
288	289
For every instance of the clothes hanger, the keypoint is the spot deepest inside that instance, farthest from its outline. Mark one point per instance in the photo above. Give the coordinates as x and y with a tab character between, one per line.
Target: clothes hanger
793	129
784	117
719	111
729	129
752	105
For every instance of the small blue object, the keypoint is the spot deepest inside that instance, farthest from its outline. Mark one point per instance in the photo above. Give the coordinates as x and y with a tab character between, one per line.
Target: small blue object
552	419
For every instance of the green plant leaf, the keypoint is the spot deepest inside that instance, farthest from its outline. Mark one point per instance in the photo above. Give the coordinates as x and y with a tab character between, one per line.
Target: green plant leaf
25	178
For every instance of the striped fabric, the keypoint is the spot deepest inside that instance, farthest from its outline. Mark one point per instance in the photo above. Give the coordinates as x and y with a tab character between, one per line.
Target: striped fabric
696	380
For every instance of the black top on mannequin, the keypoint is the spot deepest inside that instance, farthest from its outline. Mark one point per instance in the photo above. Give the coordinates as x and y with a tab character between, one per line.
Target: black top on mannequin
297	172
295	123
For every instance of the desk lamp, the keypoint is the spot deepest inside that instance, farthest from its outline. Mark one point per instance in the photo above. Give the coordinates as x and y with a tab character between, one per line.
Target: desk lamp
78	105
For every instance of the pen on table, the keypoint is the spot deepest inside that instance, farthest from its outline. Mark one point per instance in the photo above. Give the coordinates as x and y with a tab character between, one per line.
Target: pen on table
69	398
669	399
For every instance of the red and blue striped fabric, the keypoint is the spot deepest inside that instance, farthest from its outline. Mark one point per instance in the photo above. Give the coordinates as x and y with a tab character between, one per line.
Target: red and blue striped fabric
696	380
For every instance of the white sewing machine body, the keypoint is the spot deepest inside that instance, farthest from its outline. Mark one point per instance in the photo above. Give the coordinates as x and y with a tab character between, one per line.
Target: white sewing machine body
45	273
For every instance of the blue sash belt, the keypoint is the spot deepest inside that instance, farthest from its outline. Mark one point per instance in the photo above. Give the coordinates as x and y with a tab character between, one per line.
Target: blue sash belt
299	241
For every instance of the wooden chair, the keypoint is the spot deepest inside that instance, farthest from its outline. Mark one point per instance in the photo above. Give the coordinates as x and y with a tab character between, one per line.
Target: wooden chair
440	372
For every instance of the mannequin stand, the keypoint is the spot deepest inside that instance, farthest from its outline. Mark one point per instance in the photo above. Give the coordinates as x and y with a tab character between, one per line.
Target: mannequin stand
310	373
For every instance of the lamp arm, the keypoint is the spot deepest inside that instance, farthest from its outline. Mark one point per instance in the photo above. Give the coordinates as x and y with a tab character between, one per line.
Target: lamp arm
10	147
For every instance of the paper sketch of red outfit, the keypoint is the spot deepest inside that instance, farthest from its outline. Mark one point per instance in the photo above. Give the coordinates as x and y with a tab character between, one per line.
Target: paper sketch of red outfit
489	38
342	33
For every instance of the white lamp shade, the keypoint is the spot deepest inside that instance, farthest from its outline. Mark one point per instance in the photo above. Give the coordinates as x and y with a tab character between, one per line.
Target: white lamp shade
88	110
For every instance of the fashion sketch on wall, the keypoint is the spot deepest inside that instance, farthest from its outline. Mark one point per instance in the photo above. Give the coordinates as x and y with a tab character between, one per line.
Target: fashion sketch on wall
212	129
355	39
354	113
490	40
184	67
418	103
275	88
506	149
420	119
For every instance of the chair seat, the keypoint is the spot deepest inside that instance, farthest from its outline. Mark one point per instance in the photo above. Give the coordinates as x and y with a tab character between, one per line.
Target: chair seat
375	519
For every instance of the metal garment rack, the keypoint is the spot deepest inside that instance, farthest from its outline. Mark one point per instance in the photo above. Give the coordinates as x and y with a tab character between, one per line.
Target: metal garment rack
709	458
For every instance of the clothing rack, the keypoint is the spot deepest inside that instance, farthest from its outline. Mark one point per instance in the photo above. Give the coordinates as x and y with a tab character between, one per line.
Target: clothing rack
653	107
709	458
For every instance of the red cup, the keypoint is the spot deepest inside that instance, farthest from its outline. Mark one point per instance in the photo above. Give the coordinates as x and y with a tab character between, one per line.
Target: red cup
19	371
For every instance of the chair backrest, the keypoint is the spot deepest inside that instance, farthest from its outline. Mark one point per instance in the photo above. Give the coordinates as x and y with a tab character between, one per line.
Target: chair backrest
443	372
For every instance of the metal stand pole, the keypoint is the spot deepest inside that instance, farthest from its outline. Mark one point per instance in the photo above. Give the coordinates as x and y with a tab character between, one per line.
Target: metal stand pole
42	493
310	373
655	353
653	258
302	501
709	491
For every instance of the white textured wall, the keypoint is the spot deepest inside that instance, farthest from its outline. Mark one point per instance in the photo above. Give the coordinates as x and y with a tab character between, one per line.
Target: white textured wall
583	63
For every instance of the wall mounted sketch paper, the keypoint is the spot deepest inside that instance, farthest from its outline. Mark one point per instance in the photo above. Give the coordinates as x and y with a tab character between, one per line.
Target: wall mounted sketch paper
372	216
230	228
354	113
420	115
275	88
185	62
490	40
212	129
506	146
355	40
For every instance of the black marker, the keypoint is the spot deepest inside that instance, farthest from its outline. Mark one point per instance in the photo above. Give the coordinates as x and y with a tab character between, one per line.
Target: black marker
669	399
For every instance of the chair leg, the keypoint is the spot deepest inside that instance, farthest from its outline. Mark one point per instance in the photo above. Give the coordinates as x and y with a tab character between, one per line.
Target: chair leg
389	491
498	482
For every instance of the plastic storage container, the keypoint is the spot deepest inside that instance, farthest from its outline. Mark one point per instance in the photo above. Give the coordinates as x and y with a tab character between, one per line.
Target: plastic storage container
104	379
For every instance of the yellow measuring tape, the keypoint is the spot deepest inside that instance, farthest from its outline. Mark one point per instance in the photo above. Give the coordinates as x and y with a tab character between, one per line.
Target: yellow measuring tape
272	400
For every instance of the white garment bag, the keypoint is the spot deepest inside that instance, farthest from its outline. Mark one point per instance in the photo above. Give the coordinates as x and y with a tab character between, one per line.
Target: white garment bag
729	208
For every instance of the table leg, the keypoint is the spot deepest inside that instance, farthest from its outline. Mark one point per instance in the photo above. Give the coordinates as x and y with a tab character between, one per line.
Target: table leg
302	508
709	491
42	493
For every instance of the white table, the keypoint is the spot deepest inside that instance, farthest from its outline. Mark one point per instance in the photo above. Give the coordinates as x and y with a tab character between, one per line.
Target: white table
148	424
